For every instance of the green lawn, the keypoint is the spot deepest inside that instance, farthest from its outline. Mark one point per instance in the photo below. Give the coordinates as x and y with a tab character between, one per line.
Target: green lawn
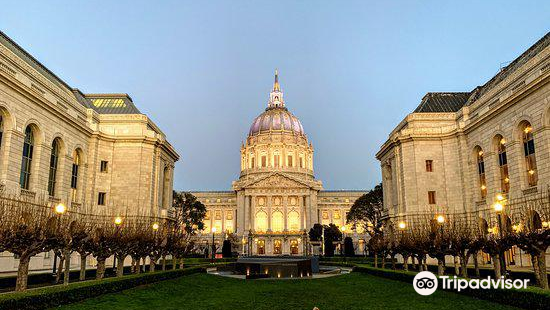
352	291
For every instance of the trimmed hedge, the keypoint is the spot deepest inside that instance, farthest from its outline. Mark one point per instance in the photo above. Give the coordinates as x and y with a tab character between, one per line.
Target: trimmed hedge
530	298
47	297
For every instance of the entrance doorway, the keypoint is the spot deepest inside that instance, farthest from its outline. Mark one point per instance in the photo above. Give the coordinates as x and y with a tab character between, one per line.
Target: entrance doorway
261	247
277	247
294	247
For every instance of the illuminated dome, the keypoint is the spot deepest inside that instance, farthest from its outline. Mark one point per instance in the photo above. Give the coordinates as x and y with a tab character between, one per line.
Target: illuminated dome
276	119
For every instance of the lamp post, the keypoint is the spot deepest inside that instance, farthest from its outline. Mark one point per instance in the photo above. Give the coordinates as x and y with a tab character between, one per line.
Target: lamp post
440	220
59	210
118	222
213	249
498	206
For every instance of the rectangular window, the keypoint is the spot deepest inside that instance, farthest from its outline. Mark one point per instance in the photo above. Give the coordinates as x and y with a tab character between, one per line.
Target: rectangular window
289	160
276	160
264	161
103	166
301	162
101	199
429	165
431	197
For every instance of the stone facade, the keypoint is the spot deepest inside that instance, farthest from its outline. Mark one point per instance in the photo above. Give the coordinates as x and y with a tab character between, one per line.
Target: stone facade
458	151
276	199
95	153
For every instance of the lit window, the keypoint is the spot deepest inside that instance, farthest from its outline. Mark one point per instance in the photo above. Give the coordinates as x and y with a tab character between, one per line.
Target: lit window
277	221
293	221
260	222
503	165
529	152
481	172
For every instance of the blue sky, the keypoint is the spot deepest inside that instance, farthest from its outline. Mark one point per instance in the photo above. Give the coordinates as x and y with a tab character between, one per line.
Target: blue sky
202	70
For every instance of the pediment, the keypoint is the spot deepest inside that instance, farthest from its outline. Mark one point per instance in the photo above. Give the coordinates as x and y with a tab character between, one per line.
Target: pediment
277	180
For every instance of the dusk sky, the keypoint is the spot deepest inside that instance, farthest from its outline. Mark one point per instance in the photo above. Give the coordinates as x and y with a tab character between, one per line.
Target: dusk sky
202	70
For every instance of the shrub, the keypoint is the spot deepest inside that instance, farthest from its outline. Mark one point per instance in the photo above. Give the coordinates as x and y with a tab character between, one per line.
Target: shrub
53	296
226	249
349	251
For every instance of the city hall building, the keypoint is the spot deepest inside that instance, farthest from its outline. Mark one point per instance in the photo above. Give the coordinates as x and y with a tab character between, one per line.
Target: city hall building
95	153
276	199
458	150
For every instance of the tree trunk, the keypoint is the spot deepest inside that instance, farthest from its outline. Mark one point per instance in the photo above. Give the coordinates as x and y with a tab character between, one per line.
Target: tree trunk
384	261
406	263
82	276
137	267
120	265
476	265
67	273
392	261
464	266
152	264
22	273
59	268
100	273
496	265
541	258
425	263
536	271
144	264
440	267
163	262
413	262
174	262
457	266
375	259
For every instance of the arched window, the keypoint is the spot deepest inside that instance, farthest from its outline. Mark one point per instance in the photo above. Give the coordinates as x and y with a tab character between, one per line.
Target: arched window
481	172
277	221
503	164
264	161
302	161
529	153
28	147
289	160
54	157
260	222
293	221
252	162
74	175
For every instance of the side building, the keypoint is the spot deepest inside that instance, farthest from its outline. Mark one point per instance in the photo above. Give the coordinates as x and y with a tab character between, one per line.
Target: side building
95	153
276	199
457	152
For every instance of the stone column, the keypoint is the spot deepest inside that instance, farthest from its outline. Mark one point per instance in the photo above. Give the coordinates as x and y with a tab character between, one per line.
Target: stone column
268	205
285	207
246	213
252	210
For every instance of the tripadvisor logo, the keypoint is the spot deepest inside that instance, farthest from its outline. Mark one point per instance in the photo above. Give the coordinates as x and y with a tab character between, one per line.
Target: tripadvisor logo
425	283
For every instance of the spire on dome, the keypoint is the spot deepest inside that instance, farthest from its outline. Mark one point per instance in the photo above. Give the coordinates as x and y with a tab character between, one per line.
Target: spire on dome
276	95
276	86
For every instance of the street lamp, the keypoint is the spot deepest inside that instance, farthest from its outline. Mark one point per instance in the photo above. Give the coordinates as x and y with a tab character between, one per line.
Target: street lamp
118	220
213	248
59	210
156	226
498	209
402	225
440	219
